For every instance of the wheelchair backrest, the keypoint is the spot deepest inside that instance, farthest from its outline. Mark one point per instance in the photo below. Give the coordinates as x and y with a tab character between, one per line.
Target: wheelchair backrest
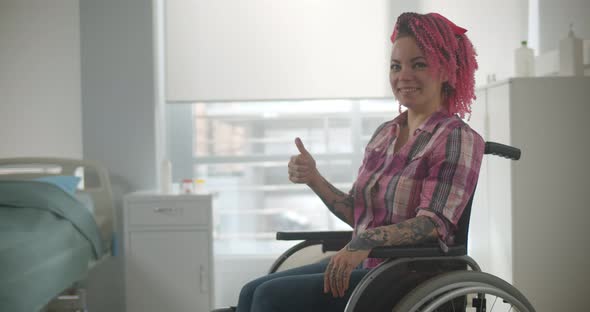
463	226
491	148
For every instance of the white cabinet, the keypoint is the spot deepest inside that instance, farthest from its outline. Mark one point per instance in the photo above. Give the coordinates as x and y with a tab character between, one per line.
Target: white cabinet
168	253
531	216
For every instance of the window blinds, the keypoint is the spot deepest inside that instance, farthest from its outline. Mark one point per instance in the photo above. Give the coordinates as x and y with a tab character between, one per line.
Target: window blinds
227	50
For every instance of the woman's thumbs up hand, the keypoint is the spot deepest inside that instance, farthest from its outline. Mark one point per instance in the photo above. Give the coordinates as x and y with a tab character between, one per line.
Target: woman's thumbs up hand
302	167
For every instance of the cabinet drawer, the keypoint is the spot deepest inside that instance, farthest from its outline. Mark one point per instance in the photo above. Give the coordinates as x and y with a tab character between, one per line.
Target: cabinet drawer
169	213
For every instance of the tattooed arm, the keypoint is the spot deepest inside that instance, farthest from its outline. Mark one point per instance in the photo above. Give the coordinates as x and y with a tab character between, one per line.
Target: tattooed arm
302	169
339	203
410	232
413	231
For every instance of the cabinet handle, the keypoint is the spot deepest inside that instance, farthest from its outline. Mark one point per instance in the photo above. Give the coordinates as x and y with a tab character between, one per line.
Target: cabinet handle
163	210
203	279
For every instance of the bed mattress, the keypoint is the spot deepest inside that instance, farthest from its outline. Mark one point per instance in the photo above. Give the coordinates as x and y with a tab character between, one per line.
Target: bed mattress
47	241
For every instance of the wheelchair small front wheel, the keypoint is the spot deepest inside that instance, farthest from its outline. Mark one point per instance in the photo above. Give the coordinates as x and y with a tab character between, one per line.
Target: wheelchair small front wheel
464	291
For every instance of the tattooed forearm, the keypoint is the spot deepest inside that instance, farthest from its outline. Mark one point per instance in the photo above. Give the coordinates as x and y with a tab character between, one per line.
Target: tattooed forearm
410	232
338	202
341	200
335	190
341	208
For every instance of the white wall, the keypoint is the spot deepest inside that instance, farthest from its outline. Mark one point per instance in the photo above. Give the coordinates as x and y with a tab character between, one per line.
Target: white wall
555	18
118	88
549	23
40	78
119	101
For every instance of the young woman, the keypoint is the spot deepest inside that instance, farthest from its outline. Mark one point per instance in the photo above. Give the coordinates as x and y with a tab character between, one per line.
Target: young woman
418	172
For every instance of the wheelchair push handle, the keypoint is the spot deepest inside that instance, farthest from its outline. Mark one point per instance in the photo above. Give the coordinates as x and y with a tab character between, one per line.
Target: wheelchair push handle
502	150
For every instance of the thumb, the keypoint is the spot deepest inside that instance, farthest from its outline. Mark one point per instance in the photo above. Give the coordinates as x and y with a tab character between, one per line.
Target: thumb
300	146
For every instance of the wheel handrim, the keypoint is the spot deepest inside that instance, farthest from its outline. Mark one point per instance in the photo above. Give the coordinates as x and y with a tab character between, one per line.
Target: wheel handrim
472	290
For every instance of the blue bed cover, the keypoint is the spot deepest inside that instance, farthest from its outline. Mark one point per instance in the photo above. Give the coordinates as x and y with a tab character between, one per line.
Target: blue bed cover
47	240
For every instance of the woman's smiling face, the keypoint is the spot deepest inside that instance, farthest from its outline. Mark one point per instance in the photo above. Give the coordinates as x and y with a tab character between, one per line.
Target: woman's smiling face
411	76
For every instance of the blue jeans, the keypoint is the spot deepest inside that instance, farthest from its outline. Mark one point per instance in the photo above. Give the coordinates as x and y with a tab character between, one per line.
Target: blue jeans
298	289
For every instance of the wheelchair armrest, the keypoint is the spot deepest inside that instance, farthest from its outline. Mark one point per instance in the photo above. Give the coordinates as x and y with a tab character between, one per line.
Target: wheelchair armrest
316	236
335	240
428	250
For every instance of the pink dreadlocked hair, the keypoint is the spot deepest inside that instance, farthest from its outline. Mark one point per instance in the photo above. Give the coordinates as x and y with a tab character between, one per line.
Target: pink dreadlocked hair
447	47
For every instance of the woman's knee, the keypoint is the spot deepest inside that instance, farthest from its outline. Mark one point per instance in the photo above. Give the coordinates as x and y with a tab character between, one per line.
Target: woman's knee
267	296
246	295
249	289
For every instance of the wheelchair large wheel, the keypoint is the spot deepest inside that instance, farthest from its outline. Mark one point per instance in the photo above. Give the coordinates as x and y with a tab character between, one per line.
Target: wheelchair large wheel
483	292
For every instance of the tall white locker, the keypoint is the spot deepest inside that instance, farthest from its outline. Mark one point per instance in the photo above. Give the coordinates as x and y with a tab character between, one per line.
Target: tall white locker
537	209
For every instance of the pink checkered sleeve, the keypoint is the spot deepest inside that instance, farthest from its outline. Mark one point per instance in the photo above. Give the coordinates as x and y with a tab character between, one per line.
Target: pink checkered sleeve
453	171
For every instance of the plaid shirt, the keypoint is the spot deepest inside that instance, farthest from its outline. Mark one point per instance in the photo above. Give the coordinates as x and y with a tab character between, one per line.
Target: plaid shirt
433	175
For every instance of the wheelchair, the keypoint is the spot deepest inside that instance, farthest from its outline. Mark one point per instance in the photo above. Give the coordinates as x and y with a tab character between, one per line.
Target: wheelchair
439	281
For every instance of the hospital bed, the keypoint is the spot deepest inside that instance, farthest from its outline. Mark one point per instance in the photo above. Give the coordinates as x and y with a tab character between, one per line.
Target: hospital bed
50	237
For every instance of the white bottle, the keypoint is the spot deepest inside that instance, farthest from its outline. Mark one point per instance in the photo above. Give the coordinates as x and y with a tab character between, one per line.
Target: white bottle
524	61
166	177
571	61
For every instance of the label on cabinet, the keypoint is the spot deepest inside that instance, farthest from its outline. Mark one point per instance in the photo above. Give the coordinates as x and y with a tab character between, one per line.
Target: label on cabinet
166	213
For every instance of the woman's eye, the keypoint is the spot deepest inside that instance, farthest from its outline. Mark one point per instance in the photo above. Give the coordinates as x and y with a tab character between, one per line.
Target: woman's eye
420	65
395	67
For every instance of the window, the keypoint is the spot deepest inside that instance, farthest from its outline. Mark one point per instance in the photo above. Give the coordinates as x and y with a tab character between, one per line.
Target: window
241	150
